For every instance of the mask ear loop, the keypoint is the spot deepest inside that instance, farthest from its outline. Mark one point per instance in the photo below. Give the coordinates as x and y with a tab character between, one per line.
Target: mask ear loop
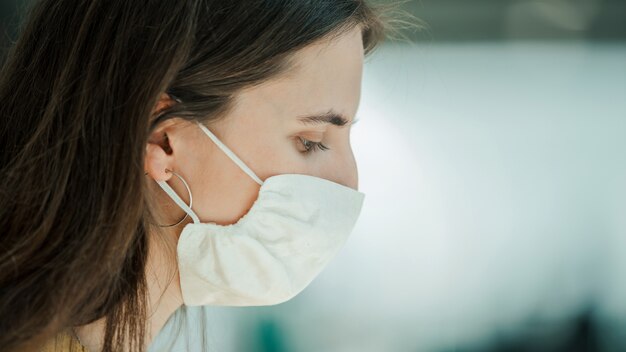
230	154
170	191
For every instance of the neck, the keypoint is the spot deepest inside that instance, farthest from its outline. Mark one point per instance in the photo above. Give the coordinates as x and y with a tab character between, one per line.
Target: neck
164	294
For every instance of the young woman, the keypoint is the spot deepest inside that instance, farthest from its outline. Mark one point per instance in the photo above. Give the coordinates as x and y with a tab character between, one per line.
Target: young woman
161	153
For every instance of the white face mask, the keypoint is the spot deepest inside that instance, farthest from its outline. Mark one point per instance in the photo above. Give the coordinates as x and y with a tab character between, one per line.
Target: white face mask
294	228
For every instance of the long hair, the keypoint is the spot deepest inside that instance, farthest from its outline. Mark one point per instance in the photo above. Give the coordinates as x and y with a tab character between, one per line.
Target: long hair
77	89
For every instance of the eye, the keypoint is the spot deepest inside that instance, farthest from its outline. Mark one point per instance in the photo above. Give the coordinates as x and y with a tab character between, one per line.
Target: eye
310	146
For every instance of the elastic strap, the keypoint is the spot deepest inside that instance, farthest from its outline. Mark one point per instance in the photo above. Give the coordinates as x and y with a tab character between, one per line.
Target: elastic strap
170	191
230	154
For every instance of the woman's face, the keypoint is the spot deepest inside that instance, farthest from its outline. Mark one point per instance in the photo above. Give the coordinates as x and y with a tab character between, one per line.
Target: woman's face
264	129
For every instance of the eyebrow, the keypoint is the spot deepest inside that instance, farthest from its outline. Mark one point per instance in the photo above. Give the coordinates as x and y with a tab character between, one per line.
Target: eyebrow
330	116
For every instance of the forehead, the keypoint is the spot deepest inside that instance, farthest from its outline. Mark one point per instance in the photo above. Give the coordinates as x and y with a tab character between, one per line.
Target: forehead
324	75
339	57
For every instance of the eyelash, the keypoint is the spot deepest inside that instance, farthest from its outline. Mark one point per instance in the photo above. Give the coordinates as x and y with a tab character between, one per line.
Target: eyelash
312	146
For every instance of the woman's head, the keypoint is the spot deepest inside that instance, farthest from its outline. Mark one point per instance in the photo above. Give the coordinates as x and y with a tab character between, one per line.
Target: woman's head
86	109
274	127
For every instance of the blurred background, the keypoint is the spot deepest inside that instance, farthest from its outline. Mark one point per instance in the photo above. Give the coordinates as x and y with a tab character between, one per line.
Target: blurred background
492	153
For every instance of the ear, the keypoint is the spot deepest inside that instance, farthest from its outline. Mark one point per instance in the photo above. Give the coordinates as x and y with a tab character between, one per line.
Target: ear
158	150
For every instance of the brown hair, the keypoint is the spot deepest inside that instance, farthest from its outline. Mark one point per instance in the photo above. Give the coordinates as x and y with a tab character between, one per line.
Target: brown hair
76	95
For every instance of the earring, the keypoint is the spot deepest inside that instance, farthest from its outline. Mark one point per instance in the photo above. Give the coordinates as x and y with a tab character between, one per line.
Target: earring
188	191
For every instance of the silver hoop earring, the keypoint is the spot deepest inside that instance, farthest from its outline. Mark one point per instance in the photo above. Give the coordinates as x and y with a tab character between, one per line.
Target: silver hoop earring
188	191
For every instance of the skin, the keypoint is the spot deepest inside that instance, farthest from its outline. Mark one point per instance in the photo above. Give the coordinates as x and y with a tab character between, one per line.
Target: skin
263	130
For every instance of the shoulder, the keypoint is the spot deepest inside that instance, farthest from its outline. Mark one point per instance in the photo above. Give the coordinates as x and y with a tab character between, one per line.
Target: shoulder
63	342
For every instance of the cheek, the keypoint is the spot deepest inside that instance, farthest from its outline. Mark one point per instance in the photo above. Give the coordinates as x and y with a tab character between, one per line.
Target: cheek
222	192
283	157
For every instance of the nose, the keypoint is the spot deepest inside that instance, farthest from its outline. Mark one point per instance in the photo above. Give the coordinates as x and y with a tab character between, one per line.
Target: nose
344	170
353	176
